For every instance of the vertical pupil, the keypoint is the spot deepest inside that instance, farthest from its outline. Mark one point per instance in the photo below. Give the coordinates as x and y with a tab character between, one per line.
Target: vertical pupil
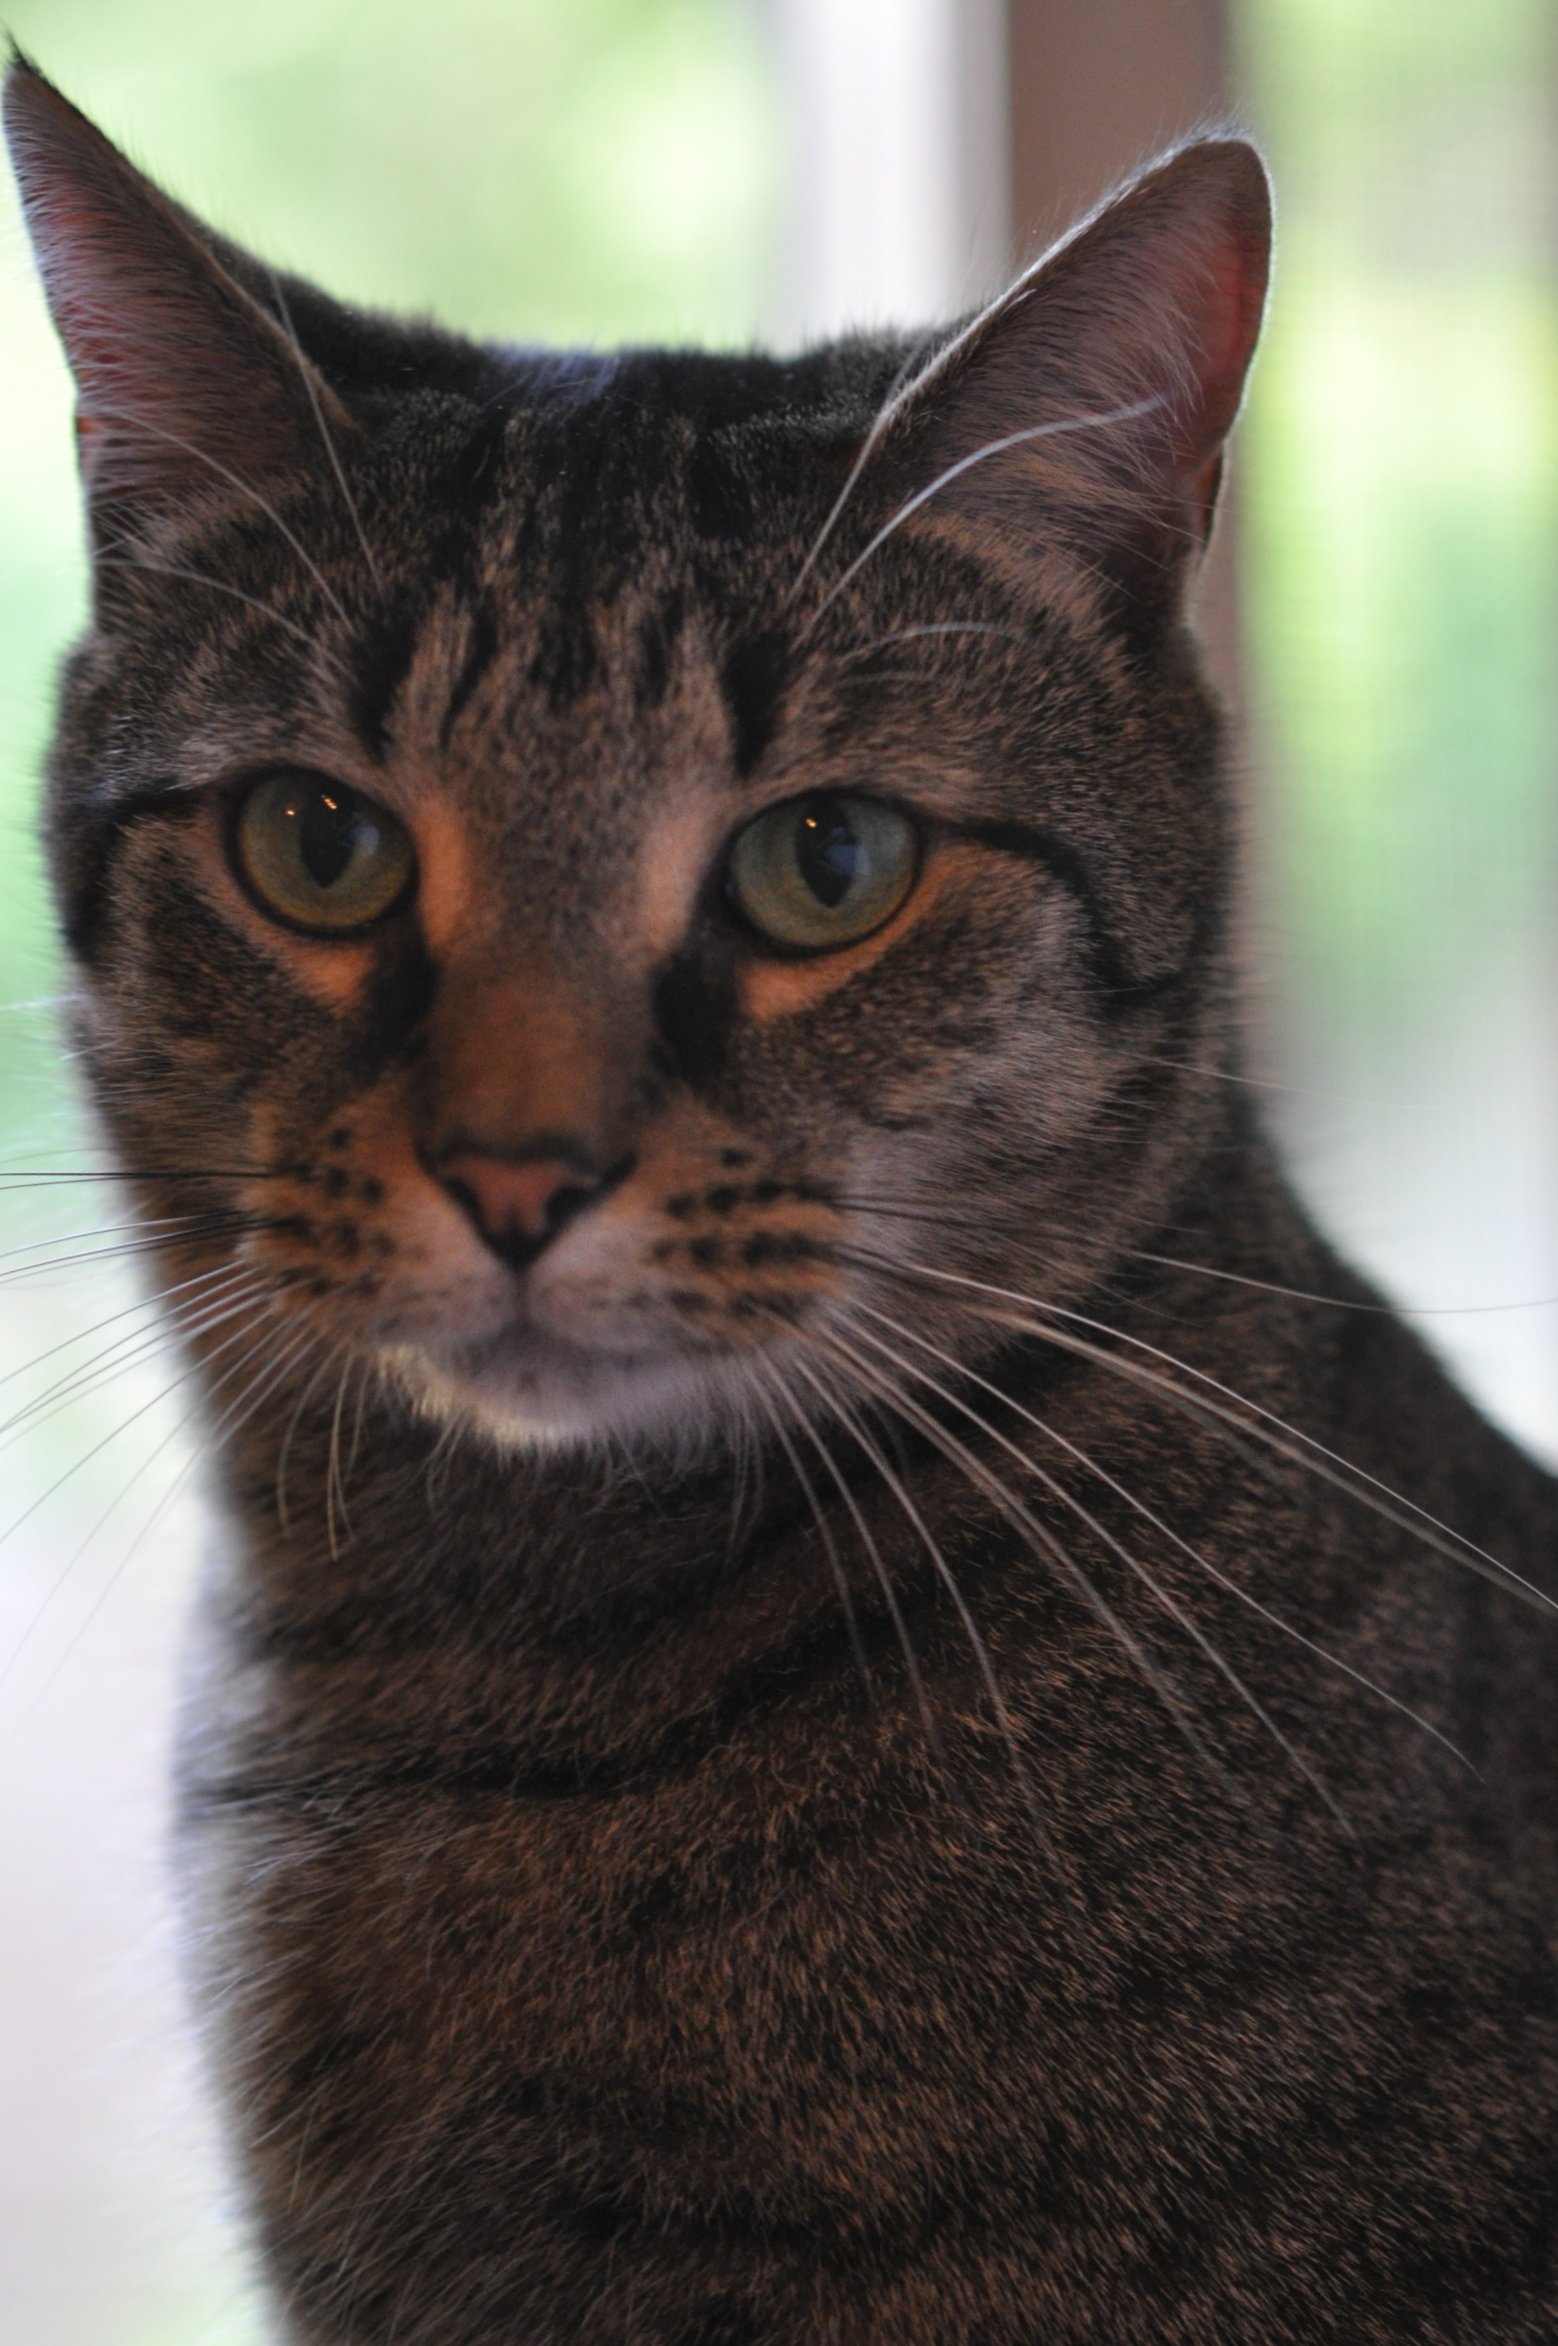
826	850
328	833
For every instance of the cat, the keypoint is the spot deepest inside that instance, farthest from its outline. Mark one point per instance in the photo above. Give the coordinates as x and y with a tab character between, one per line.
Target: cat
847	1689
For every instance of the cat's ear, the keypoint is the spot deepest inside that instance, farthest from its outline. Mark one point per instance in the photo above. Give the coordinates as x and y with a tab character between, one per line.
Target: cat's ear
182	379
1091	401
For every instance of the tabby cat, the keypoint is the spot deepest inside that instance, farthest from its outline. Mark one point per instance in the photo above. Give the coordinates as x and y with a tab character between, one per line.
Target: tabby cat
848	1691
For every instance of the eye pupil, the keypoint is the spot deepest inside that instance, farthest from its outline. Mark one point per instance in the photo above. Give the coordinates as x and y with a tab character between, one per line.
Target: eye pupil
816	873
329	833
315	854
827	850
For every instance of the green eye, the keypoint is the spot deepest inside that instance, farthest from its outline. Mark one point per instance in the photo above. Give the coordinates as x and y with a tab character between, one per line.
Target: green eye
321	856
823	871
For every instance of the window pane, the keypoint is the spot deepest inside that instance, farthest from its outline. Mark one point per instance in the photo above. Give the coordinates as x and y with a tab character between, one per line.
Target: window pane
1401	495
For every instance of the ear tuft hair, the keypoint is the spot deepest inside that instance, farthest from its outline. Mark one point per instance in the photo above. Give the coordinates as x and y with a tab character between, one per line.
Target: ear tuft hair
1092	400
182	379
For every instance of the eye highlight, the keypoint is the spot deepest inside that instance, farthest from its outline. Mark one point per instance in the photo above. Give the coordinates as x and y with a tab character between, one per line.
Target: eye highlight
823	871
319	856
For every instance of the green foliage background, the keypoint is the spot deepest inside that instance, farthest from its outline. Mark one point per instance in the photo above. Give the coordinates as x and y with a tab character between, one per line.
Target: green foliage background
1400	463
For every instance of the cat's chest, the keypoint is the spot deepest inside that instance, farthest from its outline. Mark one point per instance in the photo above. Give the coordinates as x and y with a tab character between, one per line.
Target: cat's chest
815	1984
822	1904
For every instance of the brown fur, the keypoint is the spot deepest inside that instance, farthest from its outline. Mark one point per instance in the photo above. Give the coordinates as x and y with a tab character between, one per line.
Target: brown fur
853	1749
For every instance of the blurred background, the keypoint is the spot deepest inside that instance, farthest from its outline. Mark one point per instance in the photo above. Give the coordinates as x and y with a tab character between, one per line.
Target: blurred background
1383	602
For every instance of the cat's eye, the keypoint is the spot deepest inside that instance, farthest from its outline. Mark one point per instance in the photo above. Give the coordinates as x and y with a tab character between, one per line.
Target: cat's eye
320	856
823	871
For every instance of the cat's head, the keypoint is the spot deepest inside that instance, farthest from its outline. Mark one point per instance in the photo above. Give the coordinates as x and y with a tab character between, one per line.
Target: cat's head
582	870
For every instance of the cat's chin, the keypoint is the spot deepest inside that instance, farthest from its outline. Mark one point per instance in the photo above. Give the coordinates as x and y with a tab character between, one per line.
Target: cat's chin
532	1390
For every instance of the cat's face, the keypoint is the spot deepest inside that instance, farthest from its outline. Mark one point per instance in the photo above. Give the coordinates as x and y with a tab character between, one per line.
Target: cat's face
566	902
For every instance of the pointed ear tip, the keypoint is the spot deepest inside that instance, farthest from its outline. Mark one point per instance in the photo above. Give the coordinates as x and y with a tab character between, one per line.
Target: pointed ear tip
1248	176
20	71
1232	165
28	96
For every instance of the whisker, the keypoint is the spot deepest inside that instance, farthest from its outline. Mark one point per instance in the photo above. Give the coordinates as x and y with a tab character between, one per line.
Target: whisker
285	1452
1167	1531
1035	1317
121	1354
1001	1497
906	511
23	1179
935	1217
1388	1311
312	388
772	1405
904	635
171	1226
863	455
164	1501
834	1403
743	1484
335	1488
272	1373
366	1369
220	586
1005	1724
81	1335
1259	1083
130	1251
143	423
1148	1579
231	1310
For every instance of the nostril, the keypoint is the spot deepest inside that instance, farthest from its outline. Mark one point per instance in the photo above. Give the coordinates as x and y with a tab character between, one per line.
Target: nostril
518	1205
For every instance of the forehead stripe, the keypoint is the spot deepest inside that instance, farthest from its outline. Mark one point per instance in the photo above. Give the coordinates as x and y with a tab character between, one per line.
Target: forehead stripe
753	680
481	651
380	663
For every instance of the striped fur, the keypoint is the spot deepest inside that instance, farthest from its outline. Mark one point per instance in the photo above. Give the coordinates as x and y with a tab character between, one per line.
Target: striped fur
855	1749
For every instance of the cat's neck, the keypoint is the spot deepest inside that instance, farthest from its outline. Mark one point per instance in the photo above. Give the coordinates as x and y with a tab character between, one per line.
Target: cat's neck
427	1607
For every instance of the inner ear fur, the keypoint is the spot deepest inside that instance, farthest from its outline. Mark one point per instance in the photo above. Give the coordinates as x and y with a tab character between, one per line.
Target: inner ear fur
183	380
1091	401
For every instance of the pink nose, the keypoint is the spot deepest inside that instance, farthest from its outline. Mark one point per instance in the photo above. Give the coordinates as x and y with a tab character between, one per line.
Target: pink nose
519	1207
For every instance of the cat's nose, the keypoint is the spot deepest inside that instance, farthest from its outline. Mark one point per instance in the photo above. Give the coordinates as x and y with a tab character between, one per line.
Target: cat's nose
518	1203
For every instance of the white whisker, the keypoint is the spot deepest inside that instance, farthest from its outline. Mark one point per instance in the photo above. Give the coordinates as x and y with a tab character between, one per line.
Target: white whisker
1385	1311
218	586
285	1452
1166	1531
165	1498
1157	1678
1034	1317
895	1483
147	1304
335	1488
230	1310
905	635
311	386
863	455
143	423
122	1354
906	512
1133	1563
773	1404
836	1405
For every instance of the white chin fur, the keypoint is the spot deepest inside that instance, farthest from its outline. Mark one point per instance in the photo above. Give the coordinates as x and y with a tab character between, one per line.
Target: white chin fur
565	1397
